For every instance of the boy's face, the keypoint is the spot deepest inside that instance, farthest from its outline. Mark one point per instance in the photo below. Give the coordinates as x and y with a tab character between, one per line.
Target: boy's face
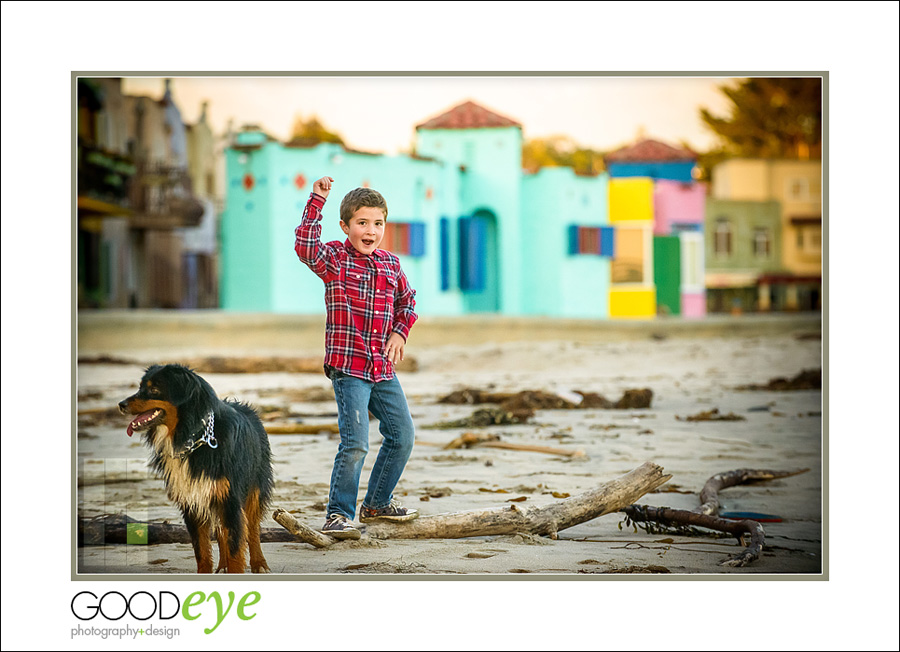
366	229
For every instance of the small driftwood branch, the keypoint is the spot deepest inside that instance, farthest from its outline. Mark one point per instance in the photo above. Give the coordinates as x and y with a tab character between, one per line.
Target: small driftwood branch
301	531
549	450
488	440
300	428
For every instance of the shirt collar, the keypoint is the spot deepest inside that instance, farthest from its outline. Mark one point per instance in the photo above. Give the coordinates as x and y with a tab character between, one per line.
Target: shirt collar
378	253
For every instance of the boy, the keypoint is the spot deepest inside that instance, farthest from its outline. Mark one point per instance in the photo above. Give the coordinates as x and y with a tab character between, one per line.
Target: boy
369	306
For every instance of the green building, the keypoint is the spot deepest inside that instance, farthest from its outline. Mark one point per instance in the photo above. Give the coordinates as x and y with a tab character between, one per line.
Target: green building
743	244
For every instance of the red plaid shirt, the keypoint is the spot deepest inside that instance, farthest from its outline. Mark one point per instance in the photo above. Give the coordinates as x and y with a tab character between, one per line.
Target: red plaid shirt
366	298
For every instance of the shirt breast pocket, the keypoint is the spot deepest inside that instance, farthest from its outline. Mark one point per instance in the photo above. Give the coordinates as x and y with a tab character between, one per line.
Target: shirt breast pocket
357	284
387	287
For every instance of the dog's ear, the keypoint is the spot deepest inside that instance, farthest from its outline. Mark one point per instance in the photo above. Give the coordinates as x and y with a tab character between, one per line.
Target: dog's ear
150	371
185	387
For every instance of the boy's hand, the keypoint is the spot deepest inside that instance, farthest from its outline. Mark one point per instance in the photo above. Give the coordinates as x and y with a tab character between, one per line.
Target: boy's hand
393	350
323	186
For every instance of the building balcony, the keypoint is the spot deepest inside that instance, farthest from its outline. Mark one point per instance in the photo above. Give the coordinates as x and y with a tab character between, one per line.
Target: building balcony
162	198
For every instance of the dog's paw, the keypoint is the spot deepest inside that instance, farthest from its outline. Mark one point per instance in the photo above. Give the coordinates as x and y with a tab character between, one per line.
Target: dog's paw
260	569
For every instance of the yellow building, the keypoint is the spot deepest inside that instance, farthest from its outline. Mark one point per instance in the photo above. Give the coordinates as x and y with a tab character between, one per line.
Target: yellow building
632	292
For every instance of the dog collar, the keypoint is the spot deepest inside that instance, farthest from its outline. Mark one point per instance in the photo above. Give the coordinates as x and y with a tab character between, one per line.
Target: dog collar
208	437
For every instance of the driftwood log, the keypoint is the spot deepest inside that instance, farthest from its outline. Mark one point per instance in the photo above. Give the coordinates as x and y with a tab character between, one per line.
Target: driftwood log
680	517
709	496
547	520
706	515
112	529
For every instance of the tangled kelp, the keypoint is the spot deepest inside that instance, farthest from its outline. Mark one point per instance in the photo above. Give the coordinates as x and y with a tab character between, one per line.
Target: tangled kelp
540	400
806	379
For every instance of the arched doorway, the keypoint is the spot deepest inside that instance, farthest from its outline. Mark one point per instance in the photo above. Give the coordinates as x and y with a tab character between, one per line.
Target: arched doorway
479	268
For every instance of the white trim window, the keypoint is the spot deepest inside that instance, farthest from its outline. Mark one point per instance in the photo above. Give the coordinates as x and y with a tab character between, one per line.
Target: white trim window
762	242
692	265
633	260
809	239
722	237
797	189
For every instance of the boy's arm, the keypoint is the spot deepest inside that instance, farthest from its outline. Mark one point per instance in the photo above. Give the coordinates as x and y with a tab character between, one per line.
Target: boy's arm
308	240
404	305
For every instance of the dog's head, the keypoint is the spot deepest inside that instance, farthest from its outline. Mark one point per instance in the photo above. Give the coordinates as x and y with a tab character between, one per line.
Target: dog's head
168	395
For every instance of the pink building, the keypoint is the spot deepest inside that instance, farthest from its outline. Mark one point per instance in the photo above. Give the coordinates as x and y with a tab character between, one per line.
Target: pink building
678	206
679	212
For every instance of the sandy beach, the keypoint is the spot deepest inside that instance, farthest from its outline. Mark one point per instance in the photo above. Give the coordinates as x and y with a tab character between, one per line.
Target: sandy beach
690	368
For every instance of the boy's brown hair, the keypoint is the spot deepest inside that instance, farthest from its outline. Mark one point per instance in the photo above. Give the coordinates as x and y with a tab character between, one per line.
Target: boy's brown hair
361	198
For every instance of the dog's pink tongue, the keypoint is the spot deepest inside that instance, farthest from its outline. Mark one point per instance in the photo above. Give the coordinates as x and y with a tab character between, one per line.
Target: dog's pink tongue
139	420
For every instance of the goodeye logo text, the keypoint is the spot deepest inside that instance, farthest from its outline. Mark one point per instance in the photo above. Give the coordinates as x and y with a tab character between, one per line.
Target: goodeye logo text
165	605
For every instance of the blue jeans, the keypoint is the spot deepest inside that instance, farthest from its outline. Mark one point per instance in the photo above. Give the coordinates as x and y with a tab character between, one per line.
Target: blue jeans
355	398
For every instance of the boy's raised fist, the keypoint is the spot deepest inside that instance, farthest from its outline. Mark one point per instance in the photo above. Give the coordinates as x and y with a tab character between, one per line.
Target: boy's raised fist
323	186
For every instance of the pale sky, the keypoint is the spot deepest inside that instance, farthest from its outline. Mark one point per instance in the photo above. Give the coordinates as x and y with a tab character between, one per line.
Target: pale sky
380	113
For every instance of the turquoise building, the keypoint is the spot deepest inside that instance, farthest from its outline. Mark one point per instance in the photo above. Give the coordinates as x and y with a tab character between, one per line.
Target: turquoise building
473	232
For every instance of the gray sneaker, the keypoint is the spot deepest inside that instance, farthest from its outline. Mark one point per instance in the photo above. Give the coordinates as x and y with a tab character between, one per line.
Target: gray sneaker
392	513
339	527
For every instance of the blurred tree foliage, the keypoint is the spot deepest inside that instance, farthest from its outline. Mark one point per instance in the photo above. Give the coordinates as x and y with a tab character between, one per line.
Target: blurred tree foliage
769	118
560	151
306	133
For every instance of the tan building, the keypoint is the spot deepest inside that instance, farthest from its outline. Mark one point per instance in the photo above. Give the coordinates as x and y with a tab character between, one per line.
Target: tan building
146	237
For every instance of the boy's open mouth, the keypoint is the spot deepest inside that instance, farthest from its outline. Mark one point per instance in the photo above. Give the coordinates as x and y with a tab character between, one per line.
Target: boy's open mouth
368	241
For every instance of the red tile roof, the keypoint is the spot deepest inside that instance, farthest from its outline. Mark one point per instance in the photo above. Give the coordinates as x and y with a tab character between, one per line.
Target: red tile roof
468	115
650	150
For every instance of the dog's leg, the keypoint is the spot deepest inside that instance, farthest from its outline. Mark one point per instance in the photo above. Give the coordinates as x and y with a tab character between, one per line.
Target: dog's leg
199	530
254	518
221	491
234	531
223	549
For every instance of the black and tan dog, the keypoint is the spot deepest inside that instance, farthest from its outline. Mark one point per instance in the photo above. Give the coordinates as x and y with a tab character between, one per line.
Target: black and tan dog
215	459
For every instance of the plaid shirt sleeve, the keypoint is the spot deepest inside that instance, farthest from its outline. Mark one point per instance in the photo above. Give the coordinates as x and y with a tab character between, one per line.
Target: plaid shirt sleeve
404	303
308	241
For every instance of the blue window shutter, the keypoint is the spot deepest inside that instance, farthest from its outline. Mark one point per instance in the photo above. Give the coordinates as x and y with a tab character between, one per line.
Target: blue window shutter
472	249
479	268
573	239
465	226
445	253
417	239
607	241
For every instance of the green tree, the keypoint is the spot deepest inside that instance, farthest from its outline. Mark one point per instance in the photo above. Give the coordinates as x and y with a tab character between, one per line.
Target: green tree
306	133
771	117
560	151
